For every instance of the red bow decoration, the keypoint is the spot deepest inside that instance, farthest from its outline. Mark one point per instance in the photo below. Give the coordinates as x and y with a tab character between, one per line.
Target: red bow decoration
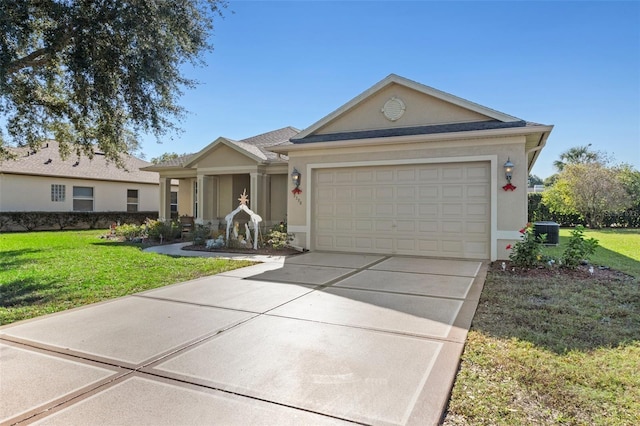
509	187
296	191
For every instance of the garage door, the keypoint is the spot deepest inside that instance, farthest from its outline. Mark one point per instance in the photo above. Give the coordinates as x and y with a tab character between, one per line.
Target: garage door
438	210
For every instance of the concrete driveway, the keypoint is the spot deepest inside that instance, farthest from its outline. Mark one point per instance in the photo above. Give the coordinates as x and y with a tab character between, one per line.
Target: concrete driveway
322	339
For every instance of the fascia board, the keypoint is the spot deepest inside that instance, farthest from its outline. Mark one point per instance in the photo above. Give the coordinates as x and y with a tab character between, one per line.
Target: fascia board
478	134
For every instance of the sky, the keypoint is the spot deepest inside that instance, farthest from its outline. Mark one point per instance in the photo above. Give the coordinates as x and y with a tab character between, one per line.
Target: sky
574	65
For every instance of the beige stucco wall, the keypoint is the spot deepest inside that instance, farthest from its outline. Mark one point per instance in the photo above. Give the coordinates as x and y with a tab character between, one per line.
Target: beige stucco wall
511	205
224	156
279	198
33	193
421	110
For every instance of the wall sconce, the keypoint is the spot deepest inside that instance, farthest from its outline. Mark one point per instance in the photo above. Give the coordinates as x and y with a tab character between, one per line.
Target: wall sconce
508	174
296	178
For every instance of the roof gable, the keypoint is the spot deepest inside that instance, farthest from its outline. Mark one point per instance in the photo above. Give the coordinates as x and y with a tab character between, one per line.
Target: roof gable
244	149
416	105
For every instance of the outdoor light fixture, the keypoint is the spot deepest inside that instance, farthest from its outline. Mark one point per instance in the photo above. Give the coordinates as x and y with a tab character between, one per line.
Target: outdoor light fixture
296	178
508	174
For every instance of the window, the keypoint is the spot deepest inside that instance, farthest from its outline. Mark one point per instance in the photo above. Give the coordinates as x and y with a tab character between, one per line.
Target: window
195	199
174	202
58	193
132	200
82	199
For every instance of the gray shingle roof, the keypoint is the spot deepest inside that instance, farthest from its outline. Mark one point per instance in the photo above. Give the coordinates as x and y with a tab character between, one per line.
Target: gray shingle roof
407	131
47	162
256	145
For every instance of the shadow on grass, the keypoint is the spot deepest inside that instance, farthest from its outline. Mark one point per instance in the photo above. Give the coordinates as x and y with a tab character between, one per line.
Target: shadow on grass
26	292
560	312
14	258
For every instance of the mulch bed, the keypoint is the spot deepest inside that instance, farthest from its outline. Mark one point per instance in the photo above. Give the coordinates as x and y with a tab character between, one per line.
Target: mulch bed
267	251
579	273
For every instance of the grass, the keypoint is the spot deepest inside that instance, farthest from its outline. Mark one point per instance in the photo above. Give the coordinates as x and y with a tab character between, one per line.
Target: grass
556	349
619	248
45	272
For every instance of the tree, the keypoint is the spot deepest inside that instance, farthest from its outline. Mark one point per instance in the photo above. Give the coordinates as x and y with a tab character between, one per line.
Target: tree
579	155
590	190
166	157
89	72
535	180
630	179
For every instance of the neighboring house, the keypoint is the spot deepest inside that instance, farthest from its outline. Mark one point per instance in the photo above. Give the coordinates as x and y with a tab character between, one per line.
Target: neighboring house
43	182
211	180
402	168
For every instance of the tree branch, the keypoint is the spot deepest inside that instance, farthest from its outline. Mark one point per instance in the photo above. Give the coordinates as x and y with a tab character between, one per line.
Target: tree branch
34	59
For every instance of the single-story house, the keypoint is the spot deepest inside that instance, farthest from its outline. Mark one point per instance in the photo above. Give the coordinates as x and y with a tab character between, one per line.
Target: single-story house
43	182
402	168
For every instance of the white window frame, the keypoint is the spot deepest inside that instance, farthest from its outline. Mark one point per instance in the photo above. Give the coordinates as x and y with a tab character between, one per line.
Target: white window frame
58	193
135	206
84	198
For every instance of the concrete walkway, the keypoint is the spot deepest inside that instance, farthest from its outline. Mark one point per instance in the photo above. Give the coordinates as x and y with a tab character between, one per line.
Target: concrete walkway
320	338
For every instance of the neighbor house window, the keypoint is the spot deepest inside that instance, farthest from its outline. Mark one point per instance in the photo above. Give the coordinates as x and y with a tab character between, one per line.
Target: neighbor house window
132	200
174	202
58	193
82	199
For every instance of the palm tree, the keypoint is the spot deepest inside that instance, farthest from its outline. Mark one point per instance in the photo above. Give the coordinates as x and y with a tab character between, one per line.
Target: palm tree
577	155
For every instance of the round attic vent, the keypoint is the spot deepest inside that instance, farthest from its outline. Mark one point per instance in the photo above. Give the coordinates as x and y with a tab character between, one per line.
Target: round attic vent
393	109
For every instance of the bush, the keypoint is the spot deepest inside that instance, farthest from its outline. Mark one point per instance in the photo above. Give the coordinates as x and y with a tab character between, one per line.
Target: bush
162	231
578	249
129	231
200	234
527	252
278	237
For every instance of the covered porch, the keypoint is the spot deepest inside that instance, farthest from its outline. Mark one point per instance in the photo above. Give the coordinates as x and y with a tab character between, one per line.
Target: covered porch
211	181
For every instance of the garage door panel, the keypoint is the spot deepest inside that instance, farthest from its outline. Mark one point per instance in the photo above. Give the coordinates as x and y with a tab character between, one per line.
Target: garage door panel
450	209
477	191
404	210
406	192
384	176
408	175
452	191
406	226
384	193
429	192
480	210
406	244
384	210
430	209
453	227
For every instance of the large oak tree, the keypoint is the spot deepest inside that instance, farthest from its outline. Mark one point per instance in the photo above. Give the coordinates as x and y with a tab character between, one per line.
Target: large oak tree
93	74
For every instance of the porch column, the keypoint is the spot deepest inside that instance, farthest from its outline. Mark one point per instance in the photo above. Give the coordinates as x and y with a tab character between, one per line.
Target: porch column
208	199
199	214
258	191
164	210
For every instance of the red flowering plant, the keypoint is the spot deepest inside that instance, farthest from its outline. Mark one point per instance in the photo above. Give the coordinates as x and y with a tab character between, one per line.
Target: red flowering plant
527	252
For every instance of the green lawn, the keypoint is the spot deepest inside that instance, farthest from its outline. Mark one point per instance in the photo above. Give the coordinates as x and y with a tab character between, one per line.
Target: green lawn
45	272
619	248
553	349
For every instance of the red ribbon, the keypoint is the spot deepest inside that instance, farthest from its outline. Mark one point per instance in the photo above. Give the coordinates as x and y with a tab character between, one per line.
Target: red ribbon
296	191
509	187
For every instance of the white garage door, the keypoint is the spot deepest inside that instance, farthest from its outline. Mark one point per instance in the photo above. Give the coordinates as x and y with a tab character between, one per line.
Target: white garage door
438	210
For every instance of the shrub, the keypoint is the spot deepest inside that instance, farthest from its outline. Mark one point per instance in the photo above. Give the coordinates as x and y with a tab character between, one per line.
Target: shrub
527	252
129	231
278	237
158	230
578	248
200	234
